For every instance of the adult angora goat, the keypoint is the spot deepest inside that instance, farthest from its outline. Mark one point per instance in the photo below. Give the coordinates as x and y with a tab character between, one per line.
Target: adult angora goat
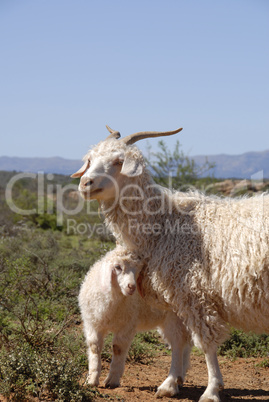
207	257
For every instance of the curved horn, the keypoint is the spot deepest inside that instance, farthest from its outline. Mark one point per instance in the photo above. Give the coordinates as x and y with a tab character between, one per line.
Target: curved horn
113	133
132	138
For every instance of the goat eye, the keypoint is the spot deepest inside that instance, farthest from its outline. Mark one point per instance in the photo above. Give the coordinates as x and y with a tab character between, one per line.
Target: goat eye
118	268
118	162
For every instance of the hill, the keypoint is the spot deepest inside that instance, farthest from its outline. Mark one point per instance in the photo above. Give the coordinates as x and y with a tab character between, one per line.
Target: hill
242	166
47	165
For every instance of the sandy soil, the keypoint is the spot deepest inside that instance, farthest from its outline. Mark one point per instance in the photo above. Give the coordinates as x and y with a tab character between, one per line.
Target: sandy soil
243	379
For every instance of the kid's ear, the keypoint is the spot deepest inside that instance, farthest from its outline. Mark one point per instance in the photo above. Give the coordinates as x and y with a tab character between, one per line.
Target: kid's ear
107	274
131	168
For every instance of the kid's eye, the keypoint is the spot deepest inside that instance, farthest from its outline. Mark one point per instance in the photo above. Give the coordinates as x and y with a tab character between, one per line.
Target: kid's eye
118	268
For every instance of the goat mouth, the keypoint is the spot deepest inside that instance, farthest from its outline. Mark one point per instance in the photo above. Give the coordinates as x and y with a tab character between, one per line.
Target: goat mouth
98	190
130	292
90	194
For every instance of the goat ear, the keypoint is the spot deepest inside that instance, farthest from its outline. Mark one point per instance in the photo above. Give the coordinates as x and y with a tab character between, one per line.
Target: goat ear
81	171
131	168
107	273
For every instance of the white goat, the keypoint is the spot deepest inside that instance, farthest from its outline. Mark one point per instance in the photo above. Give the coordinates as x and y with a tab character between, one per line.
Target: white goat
107	306
206	257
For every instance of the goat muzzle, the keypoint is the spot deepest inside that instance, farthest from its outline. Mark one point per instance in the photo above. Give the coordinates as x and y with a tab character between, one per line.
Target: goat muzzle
85	182
131	288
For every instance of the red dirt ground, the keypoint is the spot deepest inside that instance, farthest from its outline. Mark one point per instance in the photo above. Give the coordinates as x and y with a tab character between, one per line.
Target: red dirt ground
244	380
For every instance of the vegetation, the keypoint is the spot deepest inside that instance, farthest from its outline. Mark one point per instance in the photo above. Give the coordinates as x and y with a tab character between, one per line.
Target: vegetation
40	273
241	344
43	259
175	169
42	347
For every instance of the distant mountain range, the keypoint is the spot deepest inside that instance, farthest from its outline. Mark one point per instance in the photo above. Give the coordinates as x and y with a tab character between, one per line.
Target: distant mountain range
242	166
48	165
226	166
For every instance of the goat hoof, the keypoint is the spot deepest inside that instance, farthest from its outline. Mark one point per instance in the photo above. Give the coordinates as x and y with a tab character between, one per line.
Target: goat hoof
165	392
93	382
214	398
111	384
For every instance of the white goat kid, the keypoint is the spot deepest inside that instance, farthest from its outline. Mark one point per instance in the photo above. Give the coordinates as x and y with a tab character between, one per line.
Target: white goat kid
109	303
207	258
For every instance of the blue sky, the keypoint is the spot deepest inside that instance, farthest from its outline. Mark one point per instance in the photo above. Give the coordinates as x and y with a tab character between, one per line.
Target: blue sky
68	67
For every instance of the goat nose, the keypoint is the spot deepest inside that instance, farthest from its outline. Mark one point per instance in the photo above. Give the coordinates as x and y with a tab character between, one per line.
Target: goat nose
131	287
85	181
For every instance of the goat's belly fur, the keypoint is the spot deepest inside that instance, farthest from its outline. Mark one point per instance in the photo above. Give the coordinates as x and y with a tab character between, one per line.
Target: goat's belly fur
246	302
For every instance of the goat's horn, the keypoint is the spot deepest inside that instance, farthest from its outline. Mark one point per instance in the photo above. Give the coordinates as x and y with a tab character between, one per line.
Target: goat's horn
113	133
132	138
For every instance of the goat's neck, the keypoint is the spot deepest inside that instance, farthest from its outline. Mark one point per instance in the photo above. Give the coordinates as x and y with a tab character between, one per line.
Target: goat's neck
134	215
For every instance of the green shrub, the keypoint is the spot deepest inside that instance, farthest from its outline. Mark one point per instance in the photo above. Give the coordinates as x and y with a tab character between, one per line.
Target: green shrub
243	344
25	373
48	221
43	350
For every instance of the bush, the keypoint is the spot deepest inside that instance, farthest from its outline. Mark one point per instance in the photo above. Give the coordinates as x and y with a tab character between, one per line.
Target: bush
175	169
43	350
243	344
26	372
